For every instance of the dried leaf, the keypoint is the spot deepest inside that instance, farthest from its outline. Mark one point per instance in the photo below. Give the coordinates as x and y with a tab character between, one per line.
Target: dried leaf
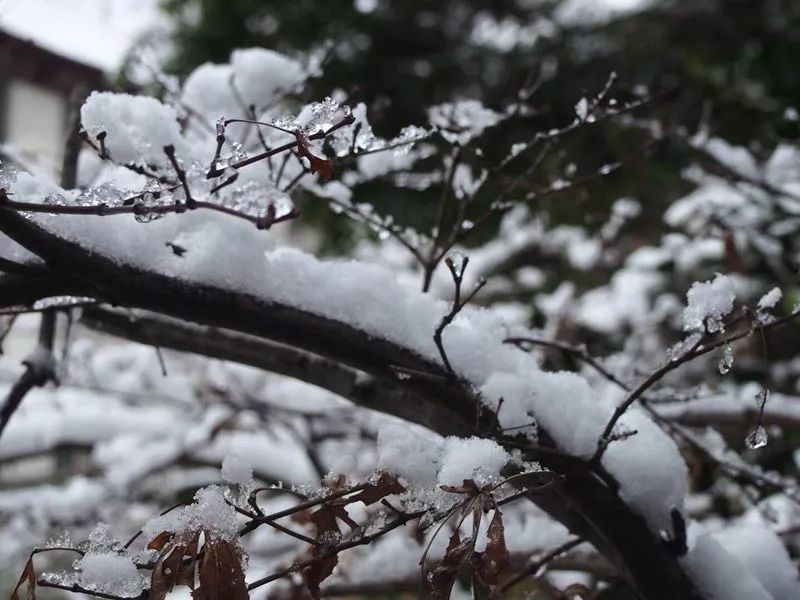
317	572
469	488
175	566
578	591
325	518
317	164
158	542
386	485
28	576
220	573
442	577
490	563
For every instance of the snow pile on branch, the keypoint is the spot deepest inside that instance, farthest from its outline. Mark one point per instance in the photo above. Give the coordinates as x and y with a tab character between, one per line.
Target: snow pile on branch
770	299
136	128
260	74
110	573
237	471
708	303
369	298
424	458
209	512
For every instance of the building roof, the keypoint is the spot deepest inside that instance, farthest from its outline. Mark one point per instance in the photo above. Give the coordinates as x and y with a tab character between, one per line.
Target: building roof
96	33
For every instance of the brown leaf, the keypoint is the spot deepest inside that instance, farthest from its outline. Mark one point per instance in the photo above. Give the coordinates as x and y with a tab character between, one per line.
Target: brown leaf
386	485
578	591
175	566
469	488
490	563
158	542
443	576
317	572
220	572
28	576
325	518
317	164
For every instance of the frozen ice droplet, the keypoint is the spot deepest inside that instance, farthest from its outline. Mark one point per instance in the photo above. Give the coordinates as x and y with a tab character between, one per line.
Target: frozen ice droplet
582	109
726	362
221	126
761	397
757	439
457	261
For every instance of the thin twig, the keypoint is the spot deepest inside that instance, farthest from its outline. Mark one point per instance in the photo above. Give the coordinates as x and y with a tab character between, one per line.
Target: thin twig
535	566
457	271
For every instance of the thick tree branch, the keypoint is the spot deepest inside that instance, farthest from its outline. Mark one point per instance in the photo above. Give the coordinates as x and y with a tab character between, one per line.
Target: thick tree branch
587	505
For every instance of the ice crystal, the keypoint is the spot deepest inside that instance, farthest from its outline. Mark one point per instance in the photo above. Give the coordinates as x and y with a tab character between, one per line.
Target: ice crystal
726	362
757	439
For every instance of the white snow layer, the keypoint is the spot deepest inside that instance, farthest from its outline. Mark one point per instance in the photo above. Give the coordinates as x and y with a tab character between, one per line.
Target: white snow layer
260	74
770	299
137	128
423	458
209	512
110	573
237	471
369	298
708	302
765	556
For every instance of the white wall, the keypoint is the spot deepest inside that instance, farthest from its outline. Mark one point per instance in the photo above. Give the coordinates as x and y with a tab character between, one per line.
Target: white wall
35	121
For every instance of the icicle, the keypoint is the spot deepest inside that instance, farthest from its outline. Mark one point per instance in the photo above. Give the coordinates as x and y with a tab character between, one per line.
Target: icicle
726	362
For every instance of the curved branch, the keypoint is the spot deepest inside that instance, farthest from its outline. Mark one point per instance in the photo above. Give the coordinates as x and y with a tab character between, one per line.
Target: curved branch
585	503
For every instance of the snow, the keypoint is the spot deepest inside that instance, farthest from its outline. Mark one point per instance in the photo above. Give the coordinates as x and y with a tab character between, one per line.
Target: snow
708	303
472	458
459	122
209	513
410	452
718	574
571	412
580	12
370	298
736	158
422	458
110	573
770	299
380	303
237	471
208	91
137	127
260	74
765	556
62	503
49	418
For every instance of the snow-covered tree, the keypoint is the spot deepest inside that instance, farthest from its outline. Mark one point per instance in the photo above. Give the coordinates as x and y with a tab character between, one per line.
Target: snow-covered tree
391	421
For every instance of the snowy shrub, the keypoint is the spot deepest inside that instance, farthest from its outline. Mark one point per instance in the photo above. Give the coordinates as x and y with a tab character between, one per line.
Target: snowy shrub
390	420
